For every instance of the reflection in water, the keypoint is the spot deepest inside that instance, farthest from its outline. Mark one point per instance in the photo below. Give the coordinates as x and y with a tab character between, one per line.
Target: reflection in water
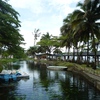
46	84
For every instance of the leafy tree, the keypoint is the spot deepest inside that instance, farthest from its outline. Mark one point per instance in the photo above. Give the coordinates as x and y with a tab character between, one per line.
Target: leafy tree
32	51
10	38
19	53
46	42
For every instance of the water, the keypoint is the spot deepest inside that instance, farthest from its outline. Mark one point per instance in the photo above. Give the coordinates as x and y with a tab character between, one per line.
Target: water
46	84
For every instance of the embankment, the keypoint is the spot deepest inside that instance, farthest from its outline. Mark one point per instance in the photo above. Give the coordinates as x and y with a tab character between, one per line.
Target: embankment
94	79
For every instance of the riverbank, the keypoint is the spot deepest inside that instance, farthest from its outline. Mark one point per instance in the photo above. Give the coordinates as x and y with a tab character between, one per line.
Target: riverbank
88	73
91	75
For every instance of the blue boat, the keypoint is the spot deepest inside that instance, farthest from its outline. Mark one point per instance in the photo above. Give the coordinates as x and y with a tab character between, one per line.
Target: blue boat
4	77
8	75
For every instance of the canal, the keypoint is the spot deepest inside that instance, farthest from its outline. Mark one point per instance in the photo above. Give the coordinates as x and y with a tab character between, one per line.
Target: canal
45	84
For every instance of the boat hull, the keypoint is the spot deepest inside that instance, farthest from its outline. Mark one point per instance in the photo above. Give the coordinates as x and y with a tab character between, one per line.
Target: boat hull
13	76
57	67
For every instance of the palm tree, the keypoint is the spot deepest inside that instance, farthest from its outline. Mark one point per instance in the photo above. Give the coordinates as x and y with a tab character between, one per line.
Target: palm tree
86	1
36	35
32	51
45	41
85	23
66	33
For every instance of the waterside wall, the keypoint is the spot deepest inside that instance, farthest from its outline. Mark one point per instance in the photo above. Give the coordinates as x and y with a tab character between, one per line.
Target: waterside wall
94	79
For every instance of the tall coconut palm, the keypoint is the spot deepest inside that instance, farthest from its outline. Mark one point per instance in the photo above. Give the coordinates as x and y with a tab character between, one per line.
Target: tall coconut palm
86	1
85	23
36	35
66	33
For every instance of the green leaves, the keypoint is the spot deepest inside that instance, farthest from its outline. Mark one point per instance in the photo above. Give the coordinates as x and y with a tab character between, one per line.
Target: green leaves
10	38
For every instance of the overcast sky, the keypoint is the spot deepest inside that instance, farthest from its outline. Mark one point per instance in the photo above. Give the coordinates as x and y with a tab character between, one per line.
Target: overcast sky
46	15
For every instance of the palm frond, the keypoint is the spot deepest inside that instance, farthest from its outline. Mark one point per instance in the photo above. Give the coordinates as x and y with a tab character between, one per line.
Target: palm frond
75	23
77	14
95	4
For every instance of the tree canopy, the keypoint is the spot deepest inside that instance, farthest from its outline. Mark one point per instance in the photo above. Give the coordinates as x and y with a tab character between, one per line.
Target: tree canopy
82	26
10	38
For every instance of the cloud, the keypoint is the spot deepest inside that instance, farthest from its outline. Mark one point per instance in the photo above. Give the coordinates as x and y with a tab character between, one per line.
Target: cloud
30	25
28	37
33	5
47	15
43	6
64	7
20	3
63	2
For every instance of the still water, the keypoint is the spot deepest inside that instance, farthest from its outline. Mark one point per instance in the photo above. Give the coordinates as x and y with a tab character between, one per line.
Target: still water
45	84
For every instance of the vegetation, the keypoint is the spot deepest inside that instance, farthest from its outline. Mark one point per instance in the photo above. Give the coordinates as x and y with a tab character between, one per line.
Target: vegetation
80	31
72	66
46	45
10	38
82	27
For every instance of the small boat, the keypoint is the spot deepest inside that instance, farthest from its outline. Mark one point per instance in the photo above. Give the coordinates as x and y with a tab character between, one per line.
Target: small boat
57	67
8	75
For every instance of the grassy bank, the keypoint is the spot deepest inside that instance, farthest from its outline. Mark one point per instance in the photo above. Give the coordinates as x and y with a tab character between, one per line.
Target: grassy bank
73	66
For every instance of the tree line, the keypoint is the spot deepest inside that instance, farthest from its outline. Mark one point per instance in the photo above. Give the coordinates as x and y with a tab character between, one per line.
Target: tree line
80	31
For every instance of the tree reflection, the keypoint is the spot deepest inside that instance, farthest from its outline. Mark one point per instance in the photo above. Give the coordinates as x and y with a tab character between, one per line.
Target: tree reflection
7	92
59	85
11	66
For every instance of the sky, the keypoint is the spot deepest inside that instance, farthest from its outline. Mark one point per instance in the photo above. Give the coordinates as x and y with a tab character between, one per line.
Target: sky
45	15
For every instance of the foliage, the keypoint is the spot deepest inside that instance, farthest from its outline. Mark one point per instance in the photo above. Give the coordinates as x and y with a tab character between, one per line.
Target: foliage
50	43
10	38
82	26
46	42
32	51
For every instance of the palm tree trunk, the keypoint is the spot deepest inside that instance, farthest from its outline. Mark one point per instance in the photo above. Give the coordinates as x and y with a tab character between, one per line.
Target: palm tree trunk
95	51
95	55
88	54
68	53
77	55
73	54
